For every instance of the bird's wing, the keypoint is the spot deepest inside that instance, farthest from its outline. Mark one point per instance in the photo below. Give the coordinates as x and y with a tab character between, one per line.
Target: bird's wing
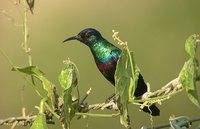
115	52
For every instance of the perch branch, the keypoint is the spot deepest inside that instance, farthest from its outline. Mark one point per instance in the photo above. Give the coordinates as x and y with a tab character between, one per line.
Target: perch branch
161	94
21	120
148	98
165	92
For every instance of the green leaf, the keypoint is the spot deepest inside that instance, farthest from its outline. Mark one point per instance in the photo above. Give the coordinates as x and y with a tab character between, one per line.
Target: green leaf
68	108
188	77
50	88
40	122
30	70
36	72
126	67
68	80
68	76
190	71
135	77
124	83
126	76
191	45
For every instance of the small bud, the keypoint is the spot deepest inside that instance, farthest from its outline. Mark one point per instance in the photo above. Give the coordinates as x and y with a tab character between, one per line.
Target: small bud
31	4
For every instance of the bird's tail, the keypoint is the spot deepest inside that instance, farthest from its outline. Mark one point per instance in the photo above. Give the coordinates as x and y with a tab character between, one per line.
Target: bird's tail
152	110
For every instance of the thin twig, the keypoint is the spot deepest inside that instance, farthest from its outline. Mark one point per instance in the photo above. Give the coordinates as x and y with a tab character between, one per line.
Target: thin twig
98	115
21	120
26	35
87	94
163	93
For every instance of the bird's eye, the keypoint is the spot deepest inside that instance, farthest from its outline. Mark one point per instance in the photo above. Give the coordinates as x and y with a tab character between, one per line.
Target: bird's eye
87	35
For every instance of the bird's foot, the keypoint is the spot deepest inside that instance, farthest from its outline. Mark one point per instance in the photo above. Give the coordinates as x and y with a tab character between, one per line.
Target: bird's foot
110	102
111	98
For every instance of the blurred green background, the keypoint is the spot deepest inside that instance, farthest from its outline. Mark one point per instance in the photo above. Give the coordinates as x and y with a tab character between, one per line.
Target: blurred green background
156	31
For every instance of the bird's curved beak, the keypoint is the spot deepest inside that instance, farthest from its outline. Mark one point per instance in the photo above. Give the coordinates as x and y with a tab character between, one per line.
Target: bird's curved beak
77	37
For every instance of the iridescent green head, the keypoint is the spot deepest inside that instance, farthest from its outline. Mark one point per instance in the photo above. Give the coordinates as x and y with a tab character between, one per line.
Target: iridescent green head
87	36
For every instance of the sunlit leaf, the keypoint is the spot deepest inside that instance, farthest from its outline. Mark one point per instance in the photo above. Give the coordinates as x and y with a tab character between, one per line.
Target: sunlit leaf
68	108
126	76
49	87
68	76
188	80
190	71
68	80
30	70
191	45
36	72
40	122
126	67
123	87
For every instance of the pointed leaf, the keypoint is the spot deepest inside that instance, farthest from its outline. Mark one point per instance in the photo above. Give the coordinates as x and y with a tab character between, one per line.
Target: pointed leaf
36	72
30	70
68	80
190	71
50	88
135	77
191	45
123	83
188	80
68	108
68	76
126	67
126	76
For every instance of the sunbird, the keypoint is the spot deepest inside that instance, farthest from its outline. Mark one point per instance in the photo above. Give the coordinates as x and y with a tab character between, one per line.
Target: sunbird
106	56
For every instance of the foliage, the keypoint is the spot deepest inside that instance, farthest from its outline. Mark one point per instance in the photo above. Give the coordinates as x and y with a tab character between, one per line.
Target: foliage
126	76
68	80
190	71
65	108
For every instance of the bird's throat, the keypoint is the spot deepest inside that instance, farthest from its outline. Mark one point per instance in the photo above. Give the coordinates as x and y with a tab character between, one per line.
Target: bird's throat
101	52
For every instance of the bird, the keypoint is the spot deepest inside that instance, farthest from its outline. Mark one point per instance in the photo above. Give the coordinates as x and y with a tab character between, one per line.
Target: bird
106	56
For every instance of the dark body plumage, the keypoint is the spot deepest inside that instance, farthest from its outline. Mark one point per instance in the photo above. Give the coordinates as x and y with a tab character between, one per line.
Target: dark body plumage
106	56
